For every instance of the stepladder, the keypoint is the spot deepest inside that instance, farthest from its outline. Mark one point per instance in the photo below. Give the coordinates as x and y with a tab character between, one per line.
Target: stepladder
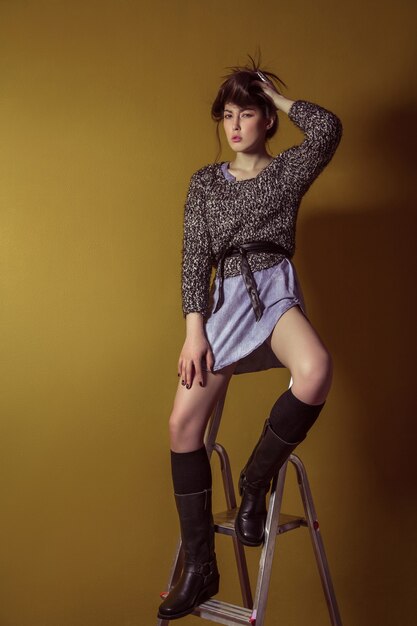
254	606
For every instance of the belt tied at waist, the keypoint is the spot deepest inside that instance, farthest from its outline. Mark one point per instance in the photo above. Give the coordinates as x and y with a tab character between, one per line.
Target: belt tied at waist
242	251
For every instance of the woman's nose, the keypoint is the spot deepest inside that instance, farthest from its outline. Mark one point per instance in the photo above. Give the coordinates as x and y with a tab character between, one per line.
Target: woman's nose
236	123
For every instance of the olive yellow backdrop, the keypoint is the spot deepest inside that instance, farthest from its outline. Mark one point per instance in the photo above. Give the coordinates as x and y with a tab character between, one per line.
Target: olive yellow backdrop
104	116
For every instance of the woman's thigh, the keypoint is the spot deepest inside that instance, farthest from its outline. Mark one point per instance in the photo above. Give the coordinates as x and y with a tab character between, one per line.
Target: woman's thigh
298	346
193	407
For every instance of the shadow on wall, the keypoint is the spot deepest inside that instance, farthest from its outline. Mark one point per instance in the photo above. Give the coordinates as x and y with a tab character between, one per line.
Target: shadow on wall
361	265
364	277
365	274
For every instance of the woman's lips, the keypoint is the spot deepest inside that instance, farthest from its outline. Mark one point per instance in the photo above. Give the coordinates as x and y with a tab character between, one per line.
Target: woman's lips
236	138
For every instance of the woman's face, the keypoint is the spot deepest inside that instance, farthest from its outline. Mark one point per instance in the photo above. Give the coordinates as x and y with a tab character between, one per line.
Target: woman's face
245	127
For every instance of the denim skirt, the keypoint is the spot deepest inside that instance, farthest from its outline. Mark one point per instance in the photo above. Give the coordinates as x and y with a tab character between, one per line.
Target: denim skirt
233	332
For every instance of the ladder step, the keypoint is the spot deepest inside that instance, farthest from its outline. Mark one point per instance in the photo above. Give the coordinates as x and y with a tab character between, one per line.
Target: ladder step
224	522
224	613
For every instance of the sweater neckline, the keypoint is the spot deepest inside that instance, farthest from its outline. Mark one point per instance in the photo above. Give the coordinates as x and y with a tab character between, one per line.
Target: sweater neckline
224	167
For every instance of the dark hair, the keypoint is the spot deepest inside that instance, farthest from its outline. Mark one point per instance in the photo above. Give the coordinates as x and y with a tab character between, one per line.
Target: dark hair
241	87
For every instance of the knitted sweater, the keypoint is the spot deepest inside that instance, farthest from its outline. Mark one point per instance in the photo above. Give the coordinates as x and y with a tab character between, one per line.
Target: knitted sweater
220	213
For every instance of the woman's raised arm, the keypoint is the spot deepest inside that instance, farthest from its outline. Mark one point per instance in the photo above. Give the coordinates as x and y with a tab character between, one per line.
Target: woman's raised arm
322	129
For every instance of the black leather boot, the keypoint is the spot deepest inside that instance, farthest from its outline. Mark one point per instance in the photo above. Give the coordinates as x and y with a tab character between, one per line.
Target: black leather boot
268	456
199	578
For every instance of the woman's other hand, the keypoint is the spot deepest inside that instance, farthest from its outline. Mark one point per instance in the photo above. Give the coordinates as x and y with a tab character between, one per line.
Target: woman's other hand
195	351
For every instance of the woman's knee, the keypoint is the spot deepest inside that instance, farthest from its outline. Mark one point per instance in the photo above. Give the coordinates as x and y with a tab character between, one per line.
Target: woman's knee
178	422
186	431
192	409
313	375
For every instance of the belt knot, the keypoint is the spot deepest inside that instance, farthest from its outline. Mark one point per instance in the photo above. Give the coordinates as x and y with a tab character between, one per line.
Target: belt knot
242	251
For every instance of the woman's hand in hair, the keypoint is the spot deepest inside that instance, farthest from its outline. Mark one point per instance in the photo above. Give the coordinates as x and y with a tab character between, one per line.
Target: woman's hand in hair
280	102
195	351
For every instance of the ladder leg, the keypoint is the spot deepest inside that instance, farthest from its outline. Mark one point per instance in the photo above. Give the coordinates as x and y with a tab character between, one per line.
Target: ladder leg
214	425
240	556
317	541
210	442
267	554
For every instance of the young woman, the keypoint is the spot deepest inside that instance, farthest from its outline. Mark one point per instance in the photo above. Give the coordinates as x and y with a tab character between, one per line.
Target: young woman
241	217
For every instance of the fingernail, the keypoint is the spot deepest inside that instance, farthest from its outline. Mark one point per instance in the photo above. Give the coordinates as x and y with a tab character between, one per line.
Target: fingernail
187	386
183	382
178	375
201	384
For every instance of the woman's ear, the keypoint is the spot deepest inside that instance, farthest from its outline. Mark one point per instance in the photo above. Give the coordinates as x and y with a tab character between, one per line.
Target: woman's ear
271	120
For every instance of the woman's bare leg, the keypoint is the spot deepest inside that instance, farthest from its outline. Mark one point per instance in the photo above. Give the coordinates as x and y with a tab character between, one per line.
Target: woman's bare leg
192	481
298	347
192	409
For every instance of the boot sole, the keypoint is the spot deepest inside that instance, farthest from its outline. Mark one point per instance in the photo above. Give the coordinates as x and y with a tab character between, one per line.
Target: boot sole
204	595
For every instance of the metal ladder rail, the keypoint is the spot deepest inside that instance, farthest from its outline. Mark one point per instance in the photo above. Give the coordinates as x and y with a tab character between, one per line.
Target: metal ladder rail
229	490
316	540
211	445
233	615
268	549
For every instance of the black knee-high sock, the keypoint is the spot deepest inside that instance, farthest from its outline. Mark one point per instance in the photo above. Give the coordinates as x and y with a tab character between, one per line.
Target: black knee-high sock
291	418
191	471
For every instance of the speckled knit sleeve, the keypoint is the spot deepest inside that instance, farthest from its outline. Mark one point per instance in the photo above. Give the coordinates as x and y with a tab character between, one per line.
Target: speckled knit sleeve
323	131
196	253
